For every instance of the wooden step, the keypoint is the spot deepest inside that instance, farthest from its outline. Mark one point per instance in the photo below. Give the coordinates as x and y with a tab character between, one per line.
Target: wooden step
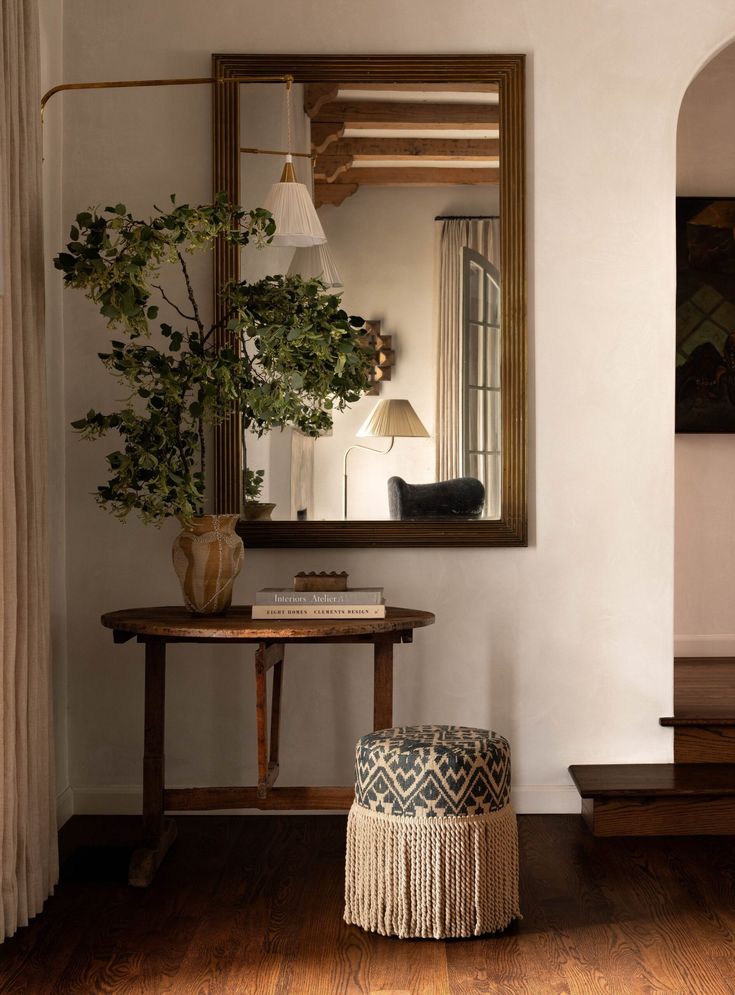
702	738
704	685
698	720
657	799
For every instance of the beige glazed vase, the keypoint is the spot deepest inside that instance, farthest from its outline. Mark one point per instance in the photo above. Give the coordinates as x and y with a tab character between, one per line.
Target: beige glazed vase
207	557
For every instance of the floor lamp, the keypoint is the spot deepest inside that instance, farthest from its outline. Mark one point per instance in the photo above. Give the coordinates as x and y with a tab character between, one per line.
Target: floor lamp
390	419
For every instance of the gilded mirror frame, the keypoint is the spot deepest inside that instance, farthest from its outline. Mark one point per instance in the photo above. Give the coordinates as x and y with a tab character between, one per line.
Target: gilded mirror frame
508	72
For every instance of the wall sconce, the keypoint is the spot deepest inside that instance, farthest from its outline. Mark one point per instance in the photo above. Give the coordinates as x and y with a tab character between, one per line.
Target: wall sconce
382	346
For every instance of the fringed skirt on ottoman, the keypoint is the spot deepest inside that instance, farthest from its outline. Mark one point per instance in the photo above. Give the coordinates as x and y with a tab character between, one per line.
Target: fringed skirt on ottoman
432	842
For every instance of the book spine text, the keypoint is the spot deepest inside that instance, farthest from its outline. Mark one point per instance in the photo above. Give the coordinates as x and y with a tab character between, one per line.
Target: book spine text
318	611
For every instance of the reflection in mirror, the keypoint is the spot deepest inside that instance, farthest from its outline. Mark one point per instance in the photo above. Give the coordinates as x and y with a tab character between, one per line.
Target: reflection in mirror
480	378
405	180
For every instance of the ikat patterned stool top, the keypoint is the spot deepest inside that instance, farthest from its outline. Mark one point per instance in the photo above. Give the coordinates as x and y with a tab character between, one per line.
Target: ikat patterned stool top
429	771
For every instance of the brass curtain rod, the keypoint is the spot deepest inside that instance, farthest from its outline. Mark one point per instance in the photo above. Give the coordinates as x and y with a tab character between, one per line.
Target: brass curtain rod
187	81
466	217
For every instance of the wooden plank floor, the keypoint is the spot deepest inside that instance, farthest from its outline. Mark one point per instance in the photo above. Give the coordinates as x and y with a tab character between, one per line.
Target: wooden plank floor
254	905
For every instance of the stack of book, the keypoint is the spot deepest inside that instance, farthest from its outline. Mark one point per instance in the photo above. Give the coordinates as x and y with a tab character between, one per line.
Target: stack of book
282	602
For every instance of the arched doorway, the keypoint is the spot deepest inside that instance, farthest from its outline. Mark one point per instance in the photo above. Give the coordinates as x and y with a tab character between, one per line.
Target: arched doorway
704	615
705	460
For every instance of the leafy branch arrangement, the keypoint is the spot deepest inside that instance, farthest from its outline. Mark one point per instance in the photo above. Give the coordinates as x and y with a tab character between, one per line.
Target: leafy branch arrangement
292	356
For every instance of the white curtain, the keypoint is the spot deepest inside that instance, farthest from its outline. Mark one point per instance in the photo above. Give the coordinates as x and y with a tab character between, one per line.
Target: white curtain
454	235
28	856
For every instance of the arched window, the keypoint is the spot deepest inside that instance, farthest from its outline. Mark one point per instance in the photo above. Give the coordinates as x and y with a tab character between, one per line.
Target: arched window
481	404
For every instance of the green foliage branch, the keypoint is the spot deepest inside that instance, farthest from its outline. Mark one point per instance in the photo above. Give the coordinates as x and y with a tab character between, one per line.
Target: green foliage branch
291	355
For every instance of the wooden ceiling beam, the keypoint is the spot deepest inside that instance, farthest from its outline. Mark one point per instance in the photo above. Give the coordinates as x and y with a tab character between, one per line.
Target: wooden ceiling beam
322	135
332	193
424	87
317	94
367	149
329	167
408	116
397	176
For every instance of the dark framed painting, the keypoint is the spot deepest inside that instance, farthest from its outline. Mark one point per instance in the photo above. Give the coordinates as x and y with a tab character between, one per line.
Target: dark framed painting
705	314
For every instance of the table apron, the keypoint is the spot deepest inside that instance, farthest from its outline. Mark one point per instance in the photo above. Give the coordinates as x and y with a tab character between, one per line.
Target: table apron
368	639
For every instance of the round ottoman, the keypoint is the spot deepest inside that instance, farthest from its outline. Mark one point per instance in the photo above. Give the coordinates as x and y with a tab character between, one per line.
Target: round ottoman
432	841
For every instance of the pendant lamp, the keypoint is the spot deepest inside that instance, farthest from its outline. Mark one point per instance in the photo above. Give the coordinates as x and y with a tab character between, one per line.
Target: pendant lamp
290	203
316	261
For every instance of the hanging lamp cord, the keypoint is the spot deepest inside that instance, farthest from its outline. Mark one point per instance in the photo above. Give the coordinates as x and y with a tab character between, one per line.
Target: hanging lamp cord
288	113
288	175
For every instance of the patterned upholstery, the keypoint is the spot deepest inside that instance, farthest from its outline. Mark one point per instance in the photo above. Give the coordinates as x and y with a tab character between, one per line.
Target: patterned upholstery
428	771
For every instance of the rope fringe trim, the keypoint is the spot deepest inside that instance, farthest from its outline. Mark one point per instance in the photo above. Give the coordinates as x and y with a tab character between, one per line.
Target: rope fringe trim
434	877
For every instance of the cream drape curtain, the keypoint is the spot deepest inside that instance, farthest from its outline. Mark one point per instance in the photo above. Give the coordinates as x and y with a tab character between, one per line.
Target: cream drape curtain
28	857
455	234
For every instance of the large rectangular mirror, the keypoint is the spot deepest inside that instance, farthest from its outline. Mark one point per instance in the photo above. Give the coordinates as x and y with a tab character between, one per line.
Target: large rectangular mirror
416	168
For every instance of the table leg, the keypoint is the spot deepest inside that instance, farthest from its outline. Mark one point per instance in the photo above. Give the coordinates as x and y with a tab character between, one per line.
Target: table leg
276	713
383	684
159	832
267	656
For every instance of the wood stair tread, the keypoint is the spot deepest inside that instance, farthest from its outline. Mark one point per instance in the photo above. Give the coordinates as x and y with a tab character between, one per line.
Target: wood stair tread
725	661
653	780
698	720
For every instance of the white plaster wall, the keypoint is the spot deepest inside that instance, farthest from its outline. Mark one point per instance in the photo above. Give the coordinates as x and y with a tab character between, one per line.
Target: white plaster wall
705	464
565	646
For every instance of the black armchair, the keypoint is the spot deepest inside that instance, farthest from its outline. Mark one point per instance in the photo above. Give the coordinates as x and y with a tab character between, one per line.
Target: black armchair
462	497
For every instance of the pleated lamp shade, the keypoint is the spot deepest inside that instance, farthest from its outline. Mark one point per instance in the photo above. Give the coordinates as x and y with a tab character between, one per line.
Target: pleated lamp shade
290	203
316	261
393	418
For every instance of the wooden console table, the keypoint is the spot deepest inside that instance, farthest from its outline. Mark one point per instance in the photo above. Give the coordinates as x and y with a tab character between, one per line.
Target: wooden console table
155	627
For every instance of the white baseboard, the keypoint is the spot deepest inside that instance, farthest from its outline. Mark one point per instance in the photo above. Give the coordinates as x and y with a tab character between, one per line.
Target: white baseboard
64	807
124	799
720	644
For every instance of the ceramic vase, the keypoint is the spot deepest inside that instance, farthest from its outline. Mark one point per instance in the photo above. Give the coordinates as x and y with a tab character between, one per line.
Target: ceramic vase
207	557
257	511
